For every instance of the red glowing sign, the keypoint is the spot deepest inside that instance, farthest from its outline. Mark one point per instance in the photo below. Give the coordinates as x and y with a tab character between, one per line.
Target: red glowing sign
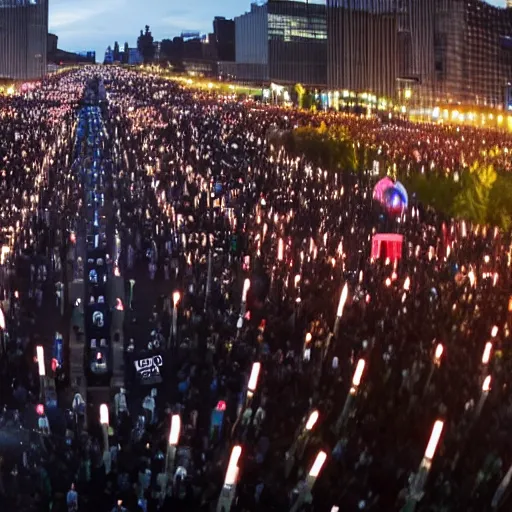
221	406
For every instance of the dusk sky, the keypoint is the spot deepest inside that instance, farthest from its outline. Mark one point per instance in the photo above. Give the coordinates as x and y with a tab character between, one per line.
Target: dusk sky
95	24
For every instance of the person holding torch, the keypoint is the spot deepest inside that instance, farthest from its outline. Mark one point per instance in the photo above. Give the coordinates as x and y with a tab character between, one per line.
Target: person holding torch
300	442
305	492
228	492
420	478
356	381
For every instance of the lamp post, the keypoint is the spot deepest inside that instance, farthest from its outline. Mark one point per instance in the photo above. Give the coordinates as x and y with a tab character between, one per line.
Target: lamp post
436	362
420	479
320	459
341	306
300	441
42	373
228	492
356	381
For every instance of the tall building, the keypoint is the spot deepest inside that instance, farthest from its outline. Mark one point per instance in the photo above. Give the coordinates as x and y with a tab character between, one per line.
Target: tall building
283	41
363	45
440	51
224	38
23	38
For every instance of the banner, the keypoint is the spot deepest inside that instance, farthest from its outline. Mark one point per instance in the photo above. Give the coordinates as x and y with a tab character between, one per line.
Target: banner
148	370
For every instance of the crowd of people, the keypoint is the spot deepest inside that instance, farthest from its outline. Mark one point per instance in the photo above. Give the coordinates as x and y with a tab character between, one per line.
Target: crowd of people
237	254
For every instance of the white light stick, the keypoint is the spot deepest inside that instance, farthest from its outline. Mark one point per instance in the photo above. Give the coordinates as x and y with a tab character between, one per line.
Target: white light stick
40	361
232	471
486	356
356	379
437	430
341	306
104	416
174	435
280	249
318	464
253	379
313	418
343	300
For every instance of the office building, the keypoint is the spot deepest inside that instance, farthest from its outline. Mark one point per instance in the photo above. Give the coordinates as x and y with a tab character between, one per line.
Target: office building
363	45
23	39
425	52
224	39
282	41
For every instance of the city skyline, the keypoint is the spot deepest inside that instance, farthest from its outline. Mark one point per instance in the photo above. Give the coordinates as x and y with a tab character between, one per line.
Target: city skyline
96	24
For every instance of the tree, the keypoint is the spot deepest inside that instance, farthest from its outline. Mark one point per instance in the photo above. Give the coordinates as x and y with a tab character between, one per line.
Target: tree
145	45
474	199
299	91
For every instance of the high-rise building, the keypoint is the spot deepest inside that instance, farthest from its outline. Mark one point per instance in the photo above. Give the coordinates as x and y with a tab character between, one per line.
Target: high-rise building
363	41
283	41
445	51
23	38
224	38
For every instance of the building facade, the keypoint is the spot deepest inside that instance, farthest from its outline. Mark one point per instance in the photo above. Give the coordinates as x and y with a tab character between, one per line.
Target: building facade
444	51
283	41
23	39
363	45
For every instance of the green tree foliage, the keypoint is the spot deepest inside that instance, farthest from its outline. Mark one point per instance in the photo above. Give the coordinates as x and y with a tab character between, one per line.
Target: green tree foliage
327	147
299	92
482	195
474	199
